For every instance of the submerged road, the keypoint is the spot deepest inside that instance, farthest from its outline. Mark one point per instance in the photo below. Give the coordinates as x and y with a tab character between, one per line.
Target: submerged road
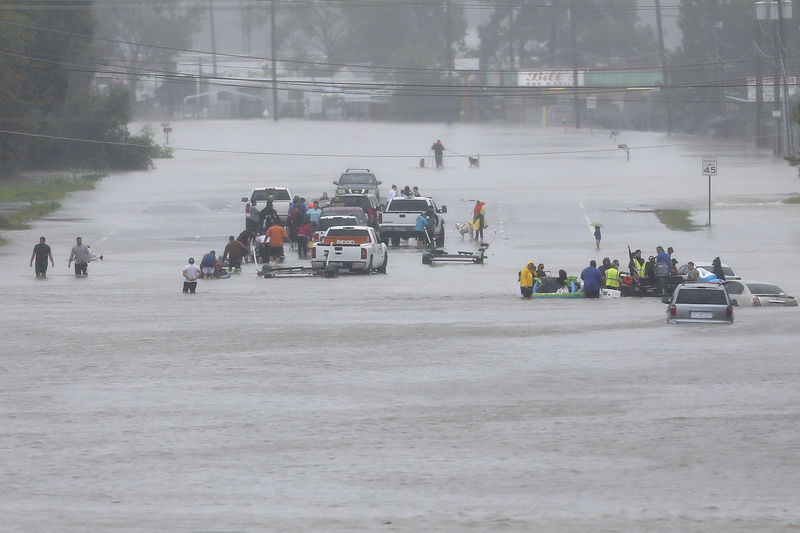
429	399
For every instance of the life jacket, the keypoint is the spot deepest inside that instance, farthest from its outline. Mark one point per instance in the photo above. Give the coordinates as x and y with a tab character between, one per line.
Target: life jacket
478	207
640	267
612	278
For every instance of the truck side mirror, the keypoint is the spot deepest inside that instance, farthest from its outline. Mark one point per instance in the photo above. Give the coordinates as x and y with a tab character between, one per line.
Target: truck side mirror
336	183
443	209
666	300
244	199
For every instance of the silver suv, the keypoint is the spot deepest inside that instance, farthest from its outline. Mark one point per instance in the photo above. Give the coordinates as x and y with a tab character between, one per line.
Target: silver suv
359	181
699	302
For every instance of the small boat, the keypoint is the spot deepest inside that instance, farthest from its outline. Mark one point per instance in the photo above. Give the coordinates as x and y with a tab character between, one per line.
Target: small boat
550	287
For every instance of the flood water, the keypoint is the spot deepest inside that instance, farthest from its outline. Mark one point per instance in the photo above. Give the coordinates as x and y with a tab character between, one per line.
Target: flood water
427	399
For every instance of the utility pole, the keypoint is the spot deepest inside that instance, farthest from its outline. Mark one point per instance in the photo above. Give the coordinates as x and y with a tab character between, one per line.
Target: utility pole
779	137
576	103
759	86
448	42
663	56
787	137
273	41
213	36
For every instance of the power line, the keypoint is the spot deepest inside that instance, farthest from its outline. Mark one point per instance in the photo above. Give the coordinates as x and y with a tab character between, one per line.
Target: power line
340	155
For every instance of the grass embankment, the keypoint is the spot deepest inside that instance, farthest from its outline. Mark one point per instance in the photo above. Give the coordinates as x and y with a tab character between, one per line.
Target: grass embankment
794	199
676	219
42	197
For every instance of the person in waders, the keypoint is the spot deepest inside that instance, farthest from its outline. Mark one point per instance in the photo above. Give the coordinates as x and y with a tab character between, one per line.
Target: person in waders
438	153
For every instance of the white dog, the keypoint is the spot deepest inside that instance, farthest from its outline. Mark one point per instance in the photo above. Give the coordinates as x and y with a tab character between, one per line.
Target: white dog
465	228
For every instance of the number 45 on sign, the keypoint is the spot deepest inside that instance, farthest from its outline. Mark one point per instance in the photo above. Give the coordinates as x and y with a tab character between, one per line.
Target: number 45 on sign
709	166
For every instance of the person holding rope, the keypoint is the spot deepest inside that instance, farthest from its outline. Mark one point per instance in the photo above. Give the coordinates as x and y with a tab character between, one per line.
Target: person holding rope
438	152
479	219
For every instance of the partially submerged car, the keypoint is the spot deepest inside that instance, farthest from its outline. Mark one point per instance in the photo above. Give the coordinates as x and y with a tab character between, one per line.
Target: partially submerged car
699	302
706	265
758	294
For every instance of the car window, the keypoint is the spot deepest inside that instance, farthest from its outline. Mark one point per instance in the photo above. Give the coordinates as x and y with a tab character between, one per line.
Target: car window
408	205
352	178
764	288
356	212
701	296
352	201
734	288
347	232
261	195
326	222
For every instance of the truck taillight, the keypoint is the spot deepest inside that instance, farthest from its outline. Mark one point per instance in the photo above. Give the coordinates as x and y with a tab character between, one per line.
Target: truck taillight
673	311
729	311
363	253
313	252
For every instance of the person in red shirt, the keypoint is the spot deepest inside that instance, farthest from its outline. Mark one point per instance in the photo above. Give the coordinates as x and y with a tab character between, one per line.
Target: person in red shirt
303	236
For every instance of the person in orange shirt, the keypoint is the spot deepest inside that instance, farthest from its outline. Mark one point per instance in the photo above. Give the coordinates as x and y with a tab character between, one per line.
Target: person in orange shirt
275	235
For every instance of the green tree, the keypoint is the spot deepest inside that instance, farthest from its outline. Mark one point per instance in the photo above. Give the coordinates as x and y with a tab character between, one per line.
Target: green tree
144	38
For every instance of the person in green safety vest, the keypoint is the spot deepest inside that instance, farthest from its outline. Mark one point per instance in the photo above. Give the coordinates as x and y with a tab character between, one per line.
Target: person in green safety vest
637	266
612	275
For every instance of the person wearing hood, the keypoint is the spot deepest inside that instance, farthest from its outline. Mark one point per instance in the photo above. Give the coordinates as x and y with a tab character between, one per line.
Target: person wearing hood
526	279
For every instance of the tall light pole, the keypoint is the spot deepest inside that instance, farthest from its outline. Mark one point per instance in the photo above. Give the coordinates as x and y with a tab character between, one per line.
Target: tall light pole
663	57
574	42
273	41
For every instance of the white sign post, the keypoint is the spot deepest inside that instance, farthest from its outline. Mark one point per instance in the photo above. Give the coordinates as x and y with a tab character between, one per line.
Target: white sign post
709	166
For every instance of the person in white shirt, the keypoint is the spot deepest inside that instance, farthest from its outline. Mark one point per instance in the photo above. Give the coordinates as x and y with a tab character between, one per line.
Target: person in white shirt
190	274
392	193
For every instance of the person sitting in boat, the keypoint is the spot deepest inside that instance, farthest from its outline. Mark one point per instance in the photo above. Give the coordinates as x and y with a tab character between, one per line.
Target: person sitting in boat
526	279
540	273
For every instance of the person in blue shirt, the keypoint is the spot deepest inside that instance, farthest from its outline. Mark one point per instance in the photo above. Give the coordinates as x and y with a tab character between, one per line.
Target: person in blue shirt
421	227
313	213
662	270
593	279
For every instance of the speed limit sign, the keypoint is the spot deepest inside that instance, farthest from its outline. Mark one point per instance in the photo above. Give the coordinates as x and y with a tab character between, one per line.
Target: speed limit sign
709	166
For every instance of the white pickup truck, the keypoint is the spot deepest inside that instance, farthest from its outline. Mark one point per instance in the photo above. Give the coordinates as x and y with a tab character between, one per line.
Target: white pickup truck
281	198
353	248
400	218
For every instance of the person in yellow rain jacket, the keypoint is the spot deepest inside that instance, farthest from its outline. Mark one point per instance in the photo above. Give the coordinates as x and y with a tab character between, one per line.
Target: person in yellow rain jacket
479	219
526	279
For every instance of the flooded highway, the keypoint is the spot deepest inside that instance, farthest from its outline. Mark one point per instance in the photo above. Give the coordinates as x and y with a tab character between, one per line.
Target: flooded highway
428	399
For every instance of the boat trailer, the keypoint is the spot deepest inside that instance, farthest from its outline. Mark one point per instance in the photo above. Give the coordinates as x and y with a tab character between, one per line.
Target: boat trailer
440	256
269	271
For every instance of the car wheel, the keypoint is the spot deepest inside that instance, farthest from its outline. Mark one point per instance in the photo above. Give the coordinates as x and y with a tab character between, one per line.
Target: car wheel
382	268
426	259
395	240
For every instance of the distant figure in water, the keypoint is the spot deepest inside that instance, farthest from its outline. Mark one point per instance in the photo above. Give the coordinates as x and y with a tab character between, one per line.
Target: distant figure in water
597	237
438	153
